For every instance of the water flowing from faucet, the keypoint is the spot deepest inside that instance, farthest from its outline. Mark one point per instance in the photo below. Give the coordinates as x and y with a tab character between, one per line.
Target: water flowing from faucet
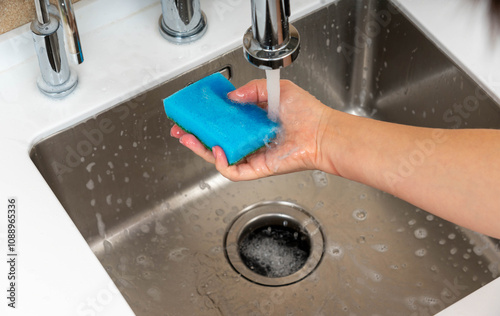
273	94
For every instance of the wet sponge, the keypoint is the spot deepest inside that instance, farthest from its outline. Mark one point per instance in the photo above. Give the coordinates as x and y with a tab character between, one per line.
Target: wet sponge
204	110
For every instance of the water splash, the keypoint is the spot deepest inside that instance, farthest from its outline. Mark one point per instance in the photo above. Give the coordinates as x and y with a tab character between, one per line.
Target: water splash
160	229
420	233
90	184
359	214
380	247
420	252
336	251
178	254
320	178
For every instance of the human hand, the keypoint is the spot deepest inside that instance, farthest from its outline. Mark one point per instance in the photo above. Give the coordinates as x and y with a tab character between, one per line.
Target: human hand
297	147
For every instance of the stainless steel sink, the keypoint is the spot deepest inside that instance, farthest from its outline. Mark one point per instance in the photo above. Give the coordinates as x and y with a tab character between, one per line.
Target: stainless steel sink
158	217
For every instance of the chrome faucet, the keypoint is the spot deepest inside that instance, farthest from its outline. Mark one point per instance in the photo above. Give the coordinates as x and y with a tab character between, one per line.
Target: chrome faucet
56	78
271	42
182	21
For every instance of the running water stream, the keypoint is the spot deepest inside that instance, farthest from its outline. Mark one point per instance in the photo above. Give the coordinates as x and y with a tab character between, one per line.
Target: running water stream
273	94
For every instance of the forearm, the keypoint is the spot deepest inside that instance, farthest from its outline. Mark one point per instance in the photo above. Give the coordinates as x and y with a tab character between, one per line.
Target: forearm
454	174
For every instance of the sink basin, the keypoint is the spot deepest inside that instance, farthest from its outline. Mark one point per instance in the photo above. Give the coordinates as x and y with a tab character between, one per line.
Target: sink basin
167	226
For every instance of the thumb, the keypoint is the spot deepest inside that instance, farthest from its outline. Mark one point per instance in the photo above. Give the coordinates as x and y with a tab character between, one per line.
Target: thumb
253	92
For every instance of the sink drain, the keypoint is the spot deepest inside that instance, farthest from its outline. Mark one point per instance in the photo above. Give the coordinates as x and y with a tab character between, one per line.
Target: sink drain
274	243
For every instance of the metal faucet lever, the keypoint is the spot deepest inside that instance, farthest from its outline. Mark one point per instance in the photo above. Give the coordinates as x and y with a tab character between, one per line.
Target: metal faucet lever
68	19
182	21
56	78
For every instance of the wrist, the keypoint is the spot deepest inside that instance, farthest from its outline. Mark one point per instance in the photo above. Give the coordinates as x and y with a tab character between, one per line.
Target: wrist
328	142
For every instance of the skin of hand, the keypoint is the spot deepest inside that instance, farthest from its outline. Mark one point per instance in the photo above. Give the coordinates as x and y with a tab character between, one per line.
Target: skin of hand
303	119
453	174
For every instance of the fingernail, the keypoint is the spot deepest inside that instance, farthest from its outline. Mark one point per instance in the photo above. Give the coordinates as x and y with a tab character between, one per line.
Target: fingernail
235	95
214	153
175	132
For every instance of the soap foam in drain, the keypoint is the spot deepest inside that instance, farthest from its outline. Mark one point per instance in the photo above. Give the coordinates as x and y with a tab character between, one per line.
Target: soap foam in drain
275	251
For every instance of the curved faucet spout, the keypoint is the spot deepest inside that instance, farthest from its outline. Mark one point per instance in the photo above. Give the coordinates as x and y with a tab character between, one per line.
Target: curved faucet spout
271	42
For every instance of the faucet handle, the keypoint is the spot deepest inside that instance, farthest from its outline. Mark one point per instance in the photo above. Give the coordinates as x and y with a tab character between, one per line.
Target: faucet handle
68	19
182	21
56	78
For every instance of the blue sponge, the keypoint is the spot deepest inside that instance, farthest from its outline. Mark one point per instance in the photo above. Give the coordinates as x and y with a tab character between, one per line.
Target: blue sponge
204	110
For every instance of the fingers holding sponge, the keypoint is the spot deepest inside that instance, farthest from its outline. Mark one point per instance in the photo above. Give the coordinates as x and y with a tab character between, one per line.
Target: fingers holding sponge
204	110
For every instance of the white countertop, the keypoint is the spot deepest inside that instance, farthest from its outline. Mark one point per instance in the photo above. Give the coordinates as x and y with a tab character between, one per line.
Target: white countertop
125	54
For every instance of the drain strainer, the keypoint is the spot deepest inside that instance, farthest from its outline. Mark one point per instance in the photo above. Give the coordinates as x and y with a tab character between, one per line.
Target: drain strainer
274	243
